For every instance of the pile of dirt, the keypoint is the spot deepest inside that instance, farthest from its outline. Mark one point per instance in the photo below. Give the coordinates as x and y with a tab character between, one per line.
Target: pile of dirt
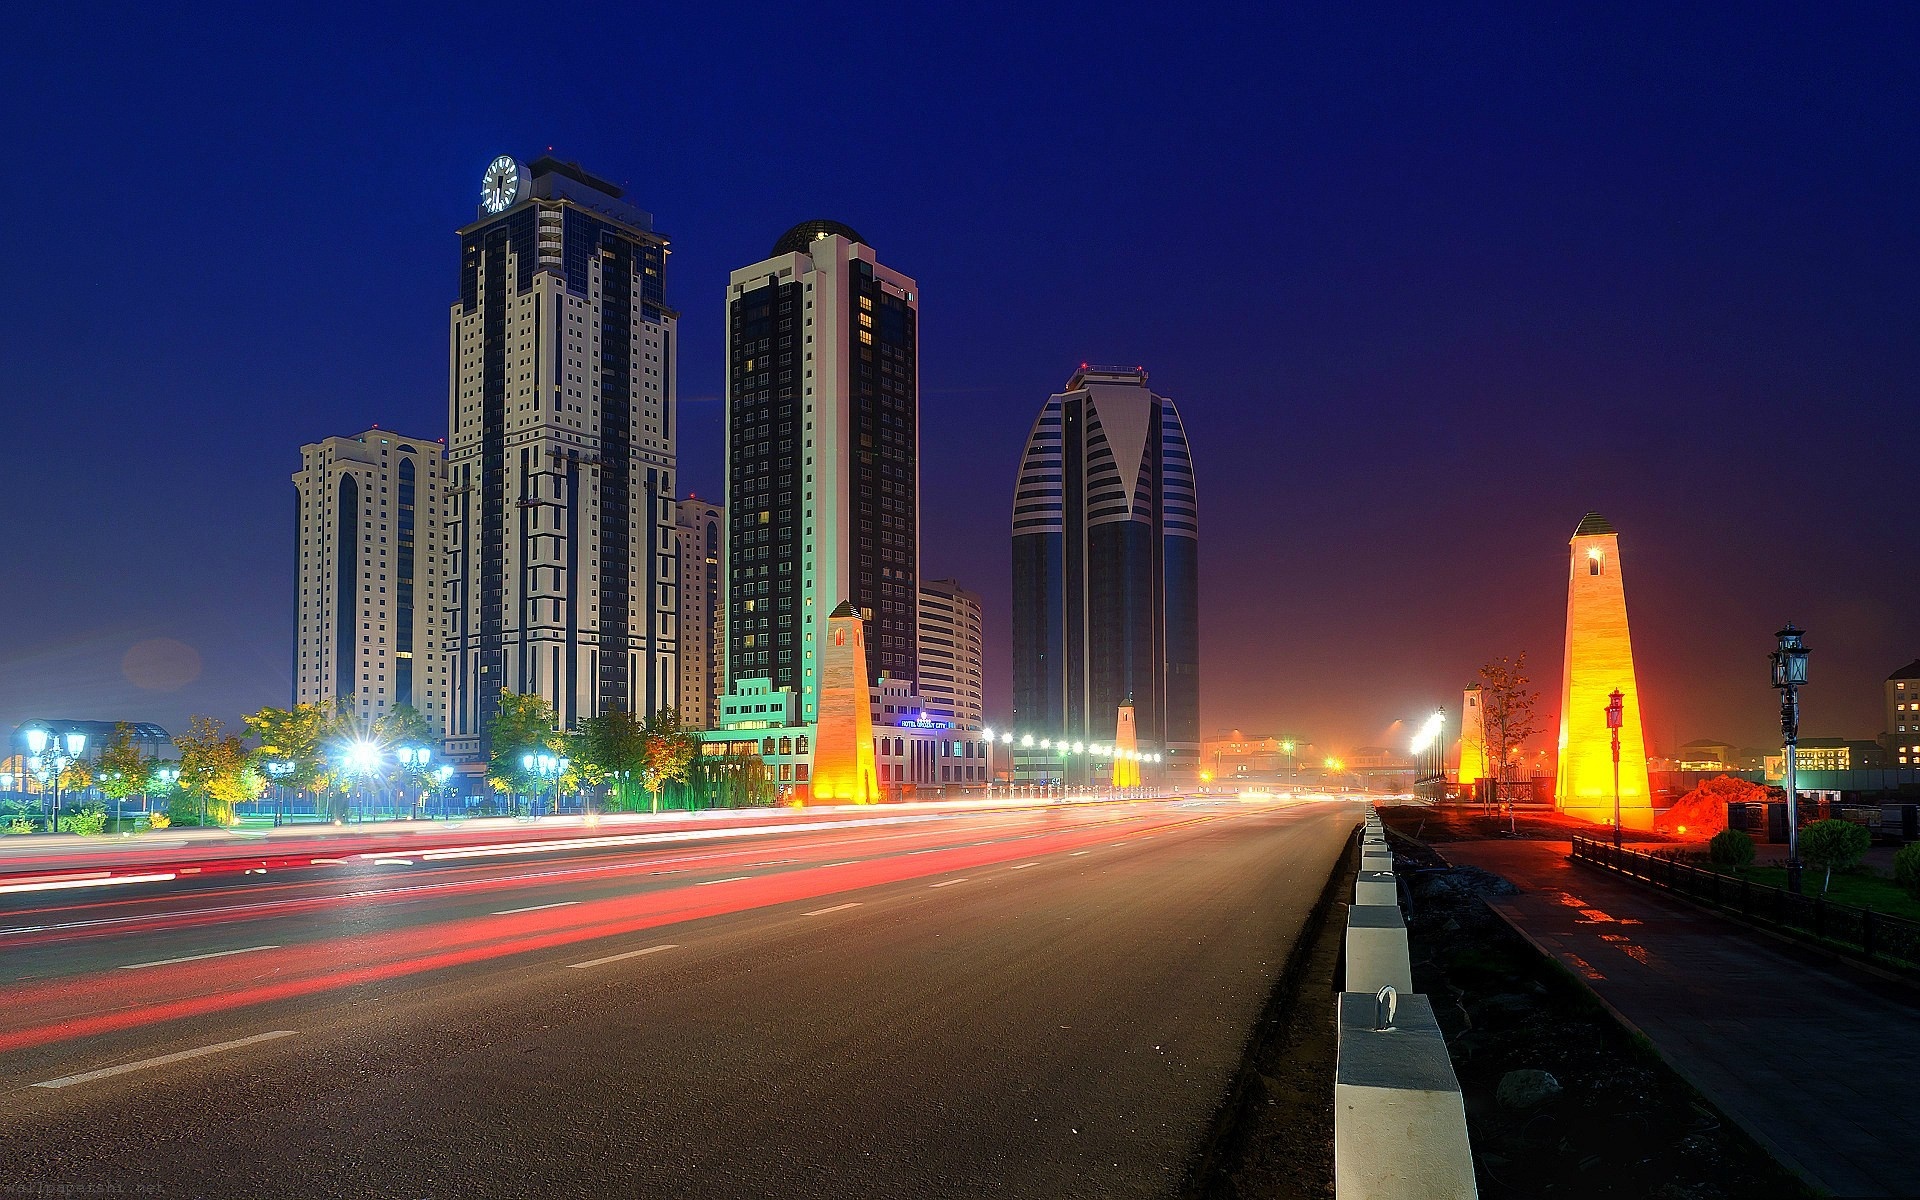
1561	1100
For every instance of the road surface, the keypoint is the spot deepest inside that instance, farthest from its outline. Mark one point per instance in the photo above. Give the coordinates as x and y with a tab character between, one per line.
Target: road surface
1042	1003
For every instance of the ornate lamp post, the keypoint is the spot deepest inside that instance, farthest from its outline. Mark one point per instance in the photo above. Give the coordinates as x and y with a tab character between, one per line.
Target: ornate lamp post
547	766
1789	675
1616	711
52	760
414	758
279	769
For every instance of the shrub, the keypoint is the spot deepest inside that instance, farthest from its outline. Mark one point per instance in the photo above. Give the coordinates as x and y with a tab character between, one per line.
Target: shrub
87	822
158	820
1834	845
19	825
1906	869
1731	848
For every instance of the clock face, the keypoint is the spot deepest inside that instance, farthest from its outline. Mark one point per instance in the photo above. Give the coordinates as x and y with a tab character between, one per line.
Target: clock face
500	186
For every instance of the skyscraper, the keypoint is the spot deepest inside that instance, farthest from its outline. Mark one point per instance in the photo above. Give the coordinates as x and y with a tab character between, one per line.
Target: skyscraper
950	653
1599	661
561	464
1106	542
371	618
823	478
700	527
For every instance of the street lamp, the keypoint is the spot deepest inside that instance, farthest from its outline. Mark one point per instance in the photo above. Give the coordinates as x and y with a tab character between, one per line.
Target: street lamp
1789	675
1616	709
547	766
53	761
414	758
443	773
363	759
280	769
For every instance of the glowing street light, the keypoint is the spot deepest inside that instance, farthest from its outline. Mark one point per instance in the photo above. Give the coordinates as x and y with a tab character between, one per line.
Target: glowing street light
1789	675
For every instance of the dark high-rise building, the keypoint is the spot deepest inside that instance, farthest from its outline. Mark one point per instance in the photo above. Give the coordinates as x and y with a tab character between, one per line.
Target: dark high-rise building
1106	543
823	459
561	455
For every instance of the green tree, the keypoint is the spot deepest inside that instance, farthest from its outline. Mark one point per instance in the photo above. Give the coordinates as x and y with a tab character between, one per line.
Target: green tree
405	726
125	770
1731	848
523	725
215	771
299	736
1834	845
609	747
669	749
1906	868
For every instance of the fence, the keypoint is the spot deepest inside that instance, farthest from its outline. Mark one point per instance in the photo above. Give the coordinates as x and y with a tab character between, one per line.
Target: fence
1860	931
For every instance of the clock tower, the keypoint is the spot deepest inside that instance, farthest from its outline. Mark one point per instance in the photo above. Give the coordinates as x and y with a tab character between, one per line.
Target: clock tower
561	455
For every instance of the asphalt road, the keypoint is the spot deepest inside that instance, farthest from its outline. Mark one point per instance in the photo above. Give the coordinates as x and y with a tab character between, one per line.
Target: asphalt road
1037	1003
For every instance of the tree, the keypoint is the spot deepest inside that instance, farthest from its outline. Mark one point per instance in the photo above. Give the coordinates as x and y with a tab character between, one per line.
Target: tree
610	746
404	726
1507	714
215	768
76	776
1906	868
125	770
298	736
523	724
1731	848
668	750
1834	845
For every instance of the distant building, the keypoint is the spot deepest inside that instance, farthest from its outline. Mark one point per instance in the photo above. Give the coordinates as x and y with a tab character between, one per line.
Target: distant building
950	655
371	621
561	420
700	528
1828	754
1237	754
1106	540
1705	755
823	460
148	738
1902	736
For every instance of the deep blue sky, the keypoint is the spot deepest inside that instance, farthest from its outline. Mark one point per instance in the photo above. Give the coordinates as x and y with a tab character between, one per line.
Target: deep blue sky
1425	287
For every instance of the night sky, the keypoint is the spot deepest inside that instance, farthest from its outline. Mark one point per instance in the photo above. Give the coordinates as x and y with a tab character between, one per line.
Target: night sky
1425	288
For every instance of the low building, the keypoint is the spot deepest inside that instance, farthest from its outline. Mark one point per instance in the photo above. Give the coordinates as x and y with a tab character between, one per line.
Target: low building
1828	754
1236	754
1902	736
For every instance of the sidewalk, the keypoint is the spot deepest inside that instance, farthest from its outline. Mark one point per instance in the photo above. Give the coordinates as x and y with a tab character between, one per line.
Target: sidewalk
1815	1066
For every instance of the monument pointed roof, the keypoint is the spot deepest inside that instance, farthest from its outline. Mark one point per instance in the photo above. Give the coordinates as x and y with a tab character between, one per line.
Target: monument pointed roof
1593	523
845	609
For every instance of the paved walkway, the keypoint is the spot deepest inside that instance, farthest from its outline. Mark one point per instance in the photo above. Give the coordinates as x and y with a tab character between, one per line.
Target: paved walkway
1816	1066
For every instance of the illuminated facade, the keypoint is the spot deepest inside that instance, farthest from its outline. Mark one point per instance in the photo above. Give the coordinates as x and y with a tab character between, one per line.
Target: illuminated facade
1902	736
700	528
1473	742
560	454
372	618
823	446
843	759
1599	659
1126	771
1106	542
951	657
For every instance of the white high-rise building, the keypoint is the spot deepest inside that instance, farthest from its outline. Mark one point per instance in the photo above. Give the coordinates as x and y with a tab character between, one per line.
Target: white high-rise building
372	619
950	653
561	456
823	470
702	533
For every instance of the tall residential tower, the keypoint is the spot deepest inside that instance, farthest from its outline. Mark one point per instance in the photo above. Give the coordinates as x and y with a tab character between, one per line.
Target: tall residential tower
702	532
950	653
1106	540
371	616
823	442
561	459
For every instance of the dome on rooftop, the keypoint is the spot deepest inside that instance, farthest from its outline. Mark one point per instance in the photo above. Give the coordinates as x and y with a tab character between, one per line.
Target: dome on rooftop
806	232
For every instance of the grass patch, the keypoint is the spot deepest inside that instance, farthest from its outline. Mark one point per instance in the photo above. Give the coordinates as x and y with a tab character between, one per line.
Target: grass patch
1861	890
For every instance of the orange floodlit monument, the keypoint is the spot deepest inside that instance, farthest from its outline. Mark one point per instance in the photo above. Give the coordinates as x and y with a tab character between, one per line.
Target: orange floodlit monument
843	767
1126	767
1599	659
1473	741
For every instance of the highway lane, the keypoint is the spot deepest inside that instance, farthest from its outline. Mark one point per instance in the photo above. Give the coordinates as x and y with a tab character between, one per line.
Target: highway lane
1040	1004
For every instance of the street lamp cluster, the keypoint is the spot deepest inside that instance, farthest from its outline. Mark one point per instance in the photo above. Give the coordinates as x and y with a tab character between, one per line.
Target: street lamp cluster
51	757
1789	662
1063	747
549	767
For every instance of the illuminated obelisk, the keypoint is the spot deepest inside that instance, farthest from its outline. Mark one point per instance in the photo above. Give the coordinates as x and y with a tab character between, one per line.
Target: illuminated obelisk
843	767
1126	744
1473	744
1599	660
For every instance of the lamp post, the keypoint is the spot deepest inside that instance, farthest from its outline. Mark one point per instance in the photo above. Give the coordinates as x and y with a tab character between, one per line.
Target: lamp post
442	774
167	778
1789	675
279	769
53	760
547	766
1616	708
363	759
414	758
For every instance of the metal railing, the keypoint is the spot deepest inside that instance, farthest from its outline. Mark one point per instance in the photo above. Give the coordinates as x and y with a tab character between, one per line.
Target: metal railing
1861	931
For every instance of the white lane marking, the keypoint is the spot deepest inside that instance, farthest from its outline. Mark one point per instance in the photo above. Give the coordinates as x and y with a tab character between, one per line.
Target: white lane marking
167	962
1023	866
328	862
163	1060
386	861
947	882
843	863
821	912
614	958
776	862
59	884
1119	843
728	879
1078	853
507	912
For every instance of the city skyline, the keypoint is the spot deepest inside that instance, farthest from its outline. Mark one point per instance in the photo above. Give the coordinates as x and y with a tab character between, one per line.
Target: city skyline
1625	366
